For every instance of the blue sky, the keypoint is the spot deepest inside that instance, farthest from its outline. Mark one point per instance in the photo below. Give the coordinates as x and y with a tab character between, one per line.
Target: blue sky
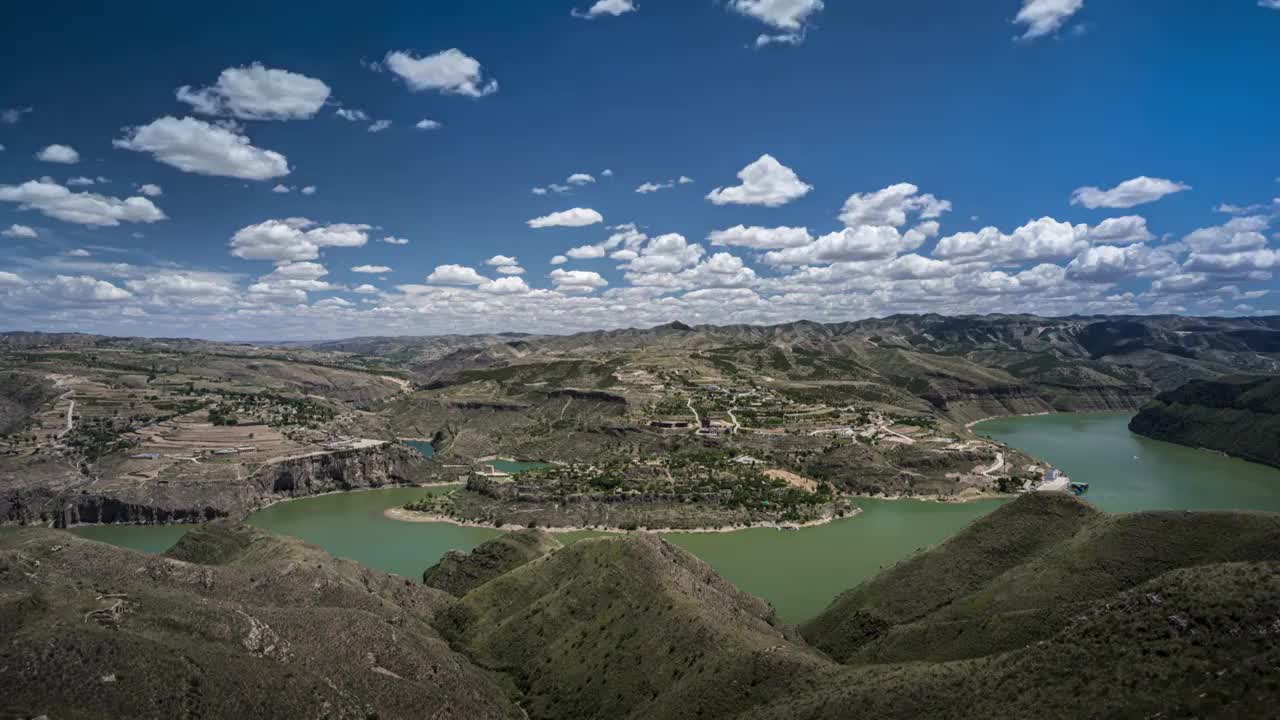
930	156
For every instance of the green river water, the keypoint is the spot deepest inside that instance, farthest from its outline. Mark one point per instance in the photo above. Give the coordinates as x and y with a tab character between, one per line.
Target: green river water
800	572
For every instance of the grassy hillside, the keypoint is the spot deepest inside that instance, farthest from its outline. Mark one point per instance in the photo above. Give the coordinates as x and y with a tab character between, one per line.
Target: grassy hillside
1197	642
1237	415
629	627
1046	608
21	394
1019	575
273	628
459	573
933	580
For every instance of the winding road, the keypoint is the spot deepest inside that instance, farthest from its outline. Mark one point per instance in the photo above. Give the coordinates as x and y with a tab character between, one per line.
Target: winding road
697	420
997	465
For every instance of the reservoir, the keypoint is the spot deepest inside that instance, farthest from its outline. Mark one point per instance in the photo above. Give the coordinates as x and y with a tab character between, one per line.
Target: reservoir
801	572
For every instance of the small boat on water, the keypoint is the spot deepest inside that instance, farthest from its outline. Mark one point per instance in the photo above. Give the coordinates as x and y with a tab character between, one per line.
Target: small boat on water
1079	488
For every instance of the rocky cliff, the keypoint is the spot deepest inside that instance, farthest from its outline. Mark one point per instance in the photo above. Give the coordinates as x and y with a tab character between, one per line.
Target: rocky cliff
1238	415
319	473
59	496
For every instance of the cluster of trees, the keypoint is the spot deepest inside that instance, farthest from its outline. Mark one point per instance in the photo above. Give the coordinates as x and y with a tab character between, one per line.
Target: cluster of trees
691	475
96	437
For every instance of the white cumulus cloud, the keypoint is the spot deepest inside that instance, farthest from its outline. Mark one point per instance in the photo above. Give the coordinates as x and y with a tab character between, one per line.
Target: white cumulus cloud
1138	191
196	146
1121	231
63	154
294	239
575	217
1042	239
258	93
791	16
1043	17
505	286
20	231
82	208
1109	263
765	182
586	252
891	206
577	281
761	238
605	7
866	242
85	288
371	269
351	114
456	275
450	71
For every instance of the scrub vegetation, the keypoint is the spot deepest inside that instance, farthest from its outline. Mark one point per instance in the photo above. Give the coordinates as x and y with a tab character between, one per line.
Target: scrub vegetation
1045	608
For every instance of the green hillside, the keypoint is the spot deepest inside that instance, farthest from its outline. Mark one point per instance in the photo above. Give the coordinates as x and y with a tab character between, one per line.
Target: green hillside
458	573
1238	415
273	628
1046	608
1039	563
629	627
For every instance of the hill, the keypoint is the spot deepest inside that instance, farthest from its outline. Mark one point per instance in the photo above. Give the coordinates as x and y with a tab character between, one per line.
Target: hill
458	573
1016	576
672	426
628	627
1237	415
1046	608
231	623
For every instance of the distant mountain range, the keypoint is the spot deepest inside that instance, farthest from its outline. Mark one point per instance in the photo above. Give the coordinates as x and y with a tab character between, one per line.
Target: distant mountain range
964	367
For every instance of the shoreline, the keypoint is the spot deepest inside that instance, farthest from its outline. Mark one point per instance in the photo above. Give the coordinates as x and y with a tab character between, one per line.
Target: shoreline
400	514
941	499
407	486
247	513
969	425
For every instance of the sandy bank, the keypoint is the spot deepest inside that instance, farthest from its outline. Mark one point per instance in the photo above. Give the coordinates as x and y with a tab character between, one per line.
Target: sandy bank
969	425
404	515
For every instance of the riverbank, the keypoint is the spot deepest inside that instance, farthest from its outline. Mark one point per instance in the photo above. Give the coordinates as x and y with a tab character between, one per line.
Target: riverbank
406	486
413	516
248	512
961	499
800	572
969	425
